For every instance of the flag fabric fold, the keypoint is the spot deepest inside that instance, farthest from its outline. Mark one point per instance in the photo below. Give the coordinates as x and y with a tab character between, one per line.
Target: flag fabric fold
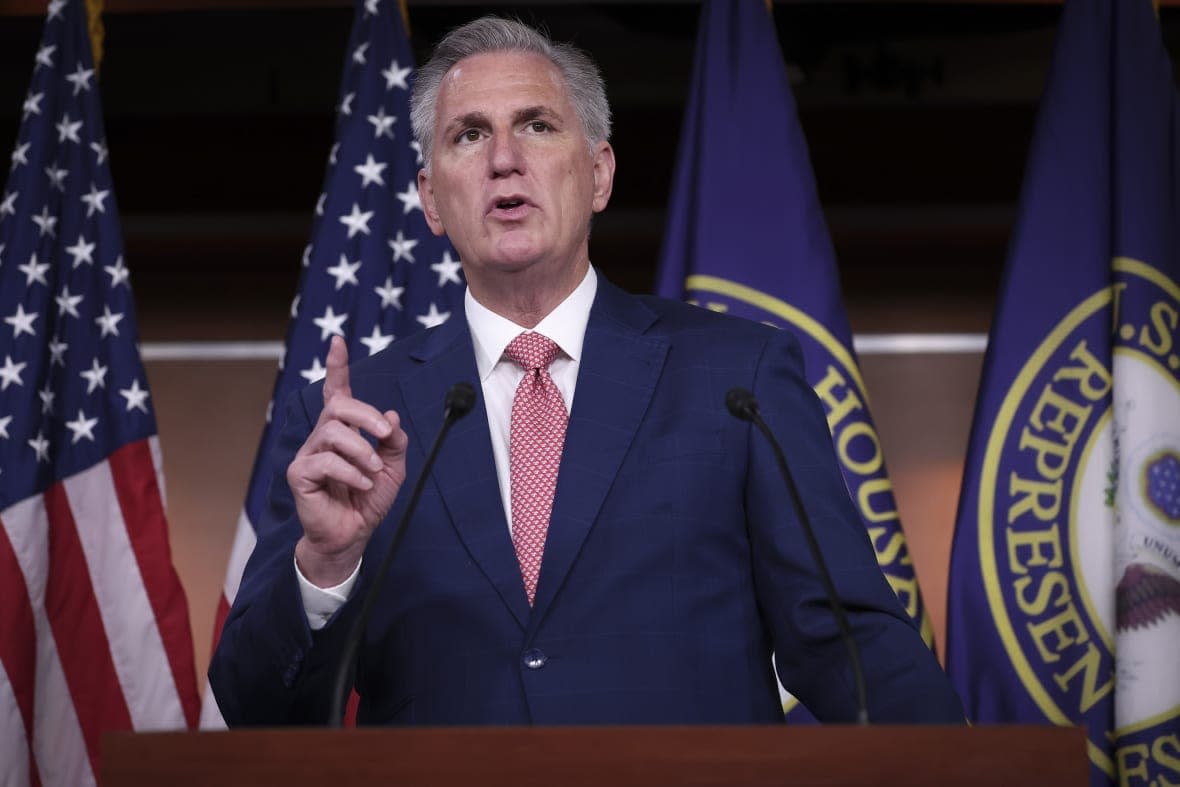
745	235
94	628
373	272
1067	543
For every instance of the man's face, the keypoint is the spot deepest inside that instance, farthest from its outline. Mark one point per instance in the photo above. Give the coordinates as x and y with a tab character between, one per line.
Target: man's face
513	181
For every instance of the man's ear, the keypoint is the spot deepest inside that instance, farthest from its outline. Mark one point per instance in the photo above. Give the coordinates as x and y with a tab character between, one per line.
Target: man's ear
604	175
429	207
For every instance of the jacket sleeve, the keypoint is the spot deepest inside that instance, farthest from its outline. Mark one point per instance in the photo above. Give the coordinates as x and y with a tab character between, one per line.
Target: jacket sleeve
905	683
269	668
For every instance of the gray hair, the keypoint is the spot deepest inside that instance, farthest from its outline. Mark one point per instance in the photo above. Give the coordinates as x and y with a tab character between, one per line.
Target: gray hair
494	34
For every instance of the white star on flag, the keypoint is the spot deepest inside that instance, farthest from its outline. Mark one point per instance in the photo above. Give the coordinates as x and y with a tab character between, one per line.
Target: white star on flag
433	317
377	341
118	272
46	223
395	76
370	171
18	155
57	177
47	396
82	252
68	130
345	272
371	7
80	79
41	446
57	349
402	247
357	221
32	105
447	270
34	271
410	199
136	397
94	200
67	303
95	376
100	150
107	322
390	295
82	427
330	324
382	123
4	422
10	373
358	54
315	373
21	322
346	104
44	56
8	206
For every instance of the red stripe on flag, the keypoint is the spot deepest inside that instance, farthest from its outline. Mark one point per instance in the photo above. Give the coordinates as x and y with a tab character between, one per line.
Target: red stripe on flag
143	512
18	640
219	621
82	643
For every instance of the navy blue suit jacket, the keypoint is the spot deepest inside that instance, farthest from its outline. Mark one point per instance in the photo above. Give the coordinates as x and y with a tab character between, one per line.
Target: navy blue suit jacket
674	563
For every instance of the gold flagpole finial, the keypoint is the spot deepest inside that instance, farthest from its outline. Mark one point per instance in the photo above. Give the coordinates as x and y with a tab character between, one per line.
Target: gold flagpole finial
94	19
401	4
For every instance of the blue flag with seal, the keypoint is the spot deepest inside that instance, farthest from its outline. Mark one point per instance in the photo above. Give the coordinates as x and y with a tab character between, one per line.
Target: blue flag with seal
745	235
1067	547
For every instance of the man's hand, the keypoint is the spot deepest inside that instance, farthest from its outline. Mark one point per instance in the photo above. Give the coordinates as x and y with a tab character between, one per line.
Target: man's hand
343	487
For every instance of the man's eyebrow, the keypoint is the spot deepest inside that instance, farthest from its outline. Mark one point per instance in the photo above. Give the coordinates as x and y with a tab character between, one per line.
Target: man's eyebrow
532	113
469	120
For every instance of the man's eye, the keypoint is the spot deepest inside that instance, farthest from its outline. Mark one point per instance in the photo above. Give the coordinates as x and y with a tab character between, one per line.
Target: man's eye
470	135
538	126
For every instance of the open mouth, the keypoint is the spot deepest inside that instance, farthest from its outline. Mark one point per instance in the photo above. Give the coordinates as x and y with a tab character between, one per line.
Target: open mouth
509	204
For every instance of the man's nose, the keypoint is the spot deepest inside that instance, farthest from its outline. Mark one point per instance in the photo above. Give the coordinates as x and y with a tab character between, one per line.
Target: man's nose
505	155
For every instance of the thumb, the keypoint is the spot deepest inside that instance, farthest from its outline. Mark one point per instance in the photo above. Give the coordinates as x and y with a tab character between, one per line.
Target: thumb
392	447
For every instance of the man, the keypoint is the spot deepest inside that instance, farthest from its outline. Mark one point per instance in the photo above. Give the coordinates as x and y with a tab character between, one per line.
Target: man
600	540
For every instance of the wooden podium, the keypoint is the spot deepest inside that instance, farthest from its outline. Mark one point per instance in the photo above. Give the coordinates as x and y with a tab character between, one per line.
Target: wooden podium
601	756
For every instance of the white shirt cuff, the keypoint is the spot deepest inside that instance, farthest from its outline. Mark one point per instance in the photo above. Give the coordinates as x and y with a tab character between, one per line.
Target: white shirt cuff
321	603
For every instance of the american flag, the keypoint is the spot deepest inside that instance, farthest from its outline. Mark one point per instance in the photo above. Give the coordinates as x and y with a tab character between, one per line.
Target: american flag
94	629
373	271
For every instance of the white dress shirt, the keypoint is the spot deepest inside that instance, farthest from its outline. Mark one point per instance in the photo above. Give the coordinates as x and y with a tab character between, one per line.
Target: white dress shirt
499	377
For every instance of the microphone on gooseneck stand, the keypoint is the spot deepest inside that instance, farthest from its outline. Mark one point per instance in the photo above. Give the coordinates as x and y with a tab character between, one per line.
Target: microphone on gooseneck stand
460	399
743	405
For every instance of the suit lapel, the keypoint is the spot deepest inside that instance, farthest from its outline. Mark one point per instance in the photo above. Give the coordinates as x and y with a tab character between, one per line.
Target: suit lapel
616	378
465	471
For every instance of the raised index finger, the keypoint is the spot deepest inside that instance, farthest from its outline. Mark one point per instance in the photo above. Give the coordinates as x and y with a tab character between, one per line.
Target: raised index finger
336	377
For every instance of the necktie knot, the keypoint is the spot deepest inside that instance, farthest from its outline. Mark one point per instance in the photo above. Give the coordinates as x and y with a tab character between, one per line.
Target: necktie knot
532	351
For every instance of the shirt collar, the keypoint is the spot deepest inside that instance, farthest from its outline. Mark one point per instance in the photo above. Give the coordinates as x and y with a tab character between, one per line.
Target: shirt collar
565	325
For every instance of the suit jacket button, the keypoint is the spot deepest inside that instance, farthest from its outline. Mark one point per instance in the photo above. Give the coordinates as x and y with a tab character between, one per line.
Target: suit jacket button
534	659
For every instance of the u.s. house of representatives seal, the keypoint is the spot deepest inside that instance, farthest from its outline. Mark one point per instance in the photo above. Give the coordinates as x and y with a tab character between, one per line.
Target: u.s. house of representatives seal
1079	524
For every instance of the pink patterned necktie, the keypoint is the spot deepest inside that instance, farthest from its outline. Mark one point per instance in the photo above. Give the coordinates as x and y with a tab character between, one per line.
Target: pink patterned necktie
538	432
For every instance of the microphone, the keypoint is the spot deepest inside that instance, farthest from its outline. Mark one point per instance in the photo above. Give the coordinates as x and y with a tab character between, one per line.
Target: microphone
459	401
744	406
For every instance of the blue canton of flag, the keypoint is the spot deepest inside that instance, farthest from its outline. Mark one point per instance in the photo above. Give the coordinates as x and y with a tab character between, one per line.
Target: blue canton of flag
94	631
373	270
1064	597
746	236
